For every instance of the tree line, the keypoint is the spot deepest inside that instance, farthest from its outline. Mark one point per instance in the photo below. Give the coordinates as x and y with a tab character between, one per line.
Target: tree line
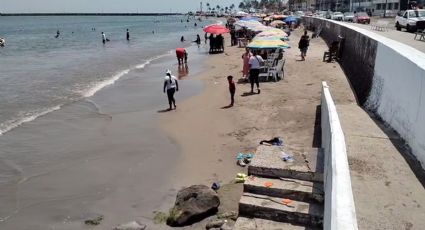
265	5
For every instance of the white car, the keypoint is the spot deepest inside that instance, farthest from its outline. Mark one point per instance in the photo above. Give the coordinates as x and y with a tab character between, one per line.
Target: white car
409	19
348	17
337	16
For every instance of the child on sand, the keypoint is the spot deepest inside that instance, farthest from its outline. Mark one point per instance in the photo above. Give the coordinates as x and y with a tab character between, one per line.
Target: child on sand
232	90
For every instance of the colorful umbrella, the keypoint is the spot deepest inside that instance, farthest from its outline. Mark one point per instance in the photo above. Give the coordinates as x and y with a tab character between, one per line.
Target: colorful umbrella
268	44
216	29
290	19
277	23
250	19
280	16
272	33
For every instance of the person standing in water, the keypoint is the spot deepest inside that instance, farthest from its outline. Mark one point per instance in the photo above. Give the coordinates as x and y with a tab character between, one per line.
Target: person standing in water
128	35
58	33
182	39
171	85
206	37
103	38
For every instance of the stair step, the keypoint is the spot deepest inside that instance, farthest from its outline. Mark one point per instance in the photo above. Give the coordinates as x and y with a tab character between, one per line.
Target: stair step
272	208
243	223
307	166
286	188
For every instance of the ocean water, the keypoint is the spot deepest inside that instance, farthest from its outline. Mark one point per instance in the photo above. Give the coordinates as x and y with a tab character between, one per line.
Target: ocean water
40	73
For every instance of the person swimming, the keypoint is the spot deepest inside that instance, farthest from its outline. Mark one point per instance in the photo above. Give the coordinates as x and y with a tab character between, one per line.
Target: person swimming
2	42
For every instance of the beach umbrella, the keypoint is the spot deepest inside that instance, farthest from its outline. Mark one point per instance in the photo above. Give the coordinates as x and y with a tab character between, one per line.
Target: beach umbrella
272	33
267	19
250	19
279	16
268	44
263	15
277	23
216	29
290	19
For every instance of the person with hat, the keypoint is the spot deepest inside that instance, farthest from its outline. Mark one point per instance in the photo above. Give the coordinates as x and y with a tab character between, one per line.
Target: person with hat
171	85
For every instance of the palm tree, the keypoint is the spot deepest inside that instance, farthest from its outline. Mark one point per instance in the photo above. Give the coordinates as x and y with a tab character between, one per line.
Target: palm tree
242	5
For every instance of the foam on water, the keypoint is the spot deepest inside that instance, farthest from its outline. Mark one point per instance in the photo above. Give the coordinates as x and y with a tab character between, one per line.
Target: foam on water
26	117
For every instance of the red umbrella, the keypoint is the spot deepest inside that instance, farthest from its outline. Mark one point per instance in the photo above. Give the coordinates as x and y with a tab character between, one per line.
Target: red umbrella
216	29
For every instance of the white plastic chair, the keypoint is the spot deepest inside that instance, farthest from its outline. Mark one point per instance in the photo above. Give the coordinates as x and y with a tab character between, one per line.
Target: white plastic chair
276	70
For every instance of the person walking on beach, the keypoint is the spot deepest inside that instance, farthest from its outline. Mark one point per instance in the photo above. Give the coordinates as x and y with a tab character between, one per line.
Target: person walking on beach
255	63
103	38
245	57
232	90
128	35
171	85
303	45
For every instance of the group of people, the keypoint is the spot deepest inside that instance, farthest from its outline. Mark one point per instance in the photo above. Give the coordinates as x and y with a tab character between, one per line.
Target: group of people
252	63
216	43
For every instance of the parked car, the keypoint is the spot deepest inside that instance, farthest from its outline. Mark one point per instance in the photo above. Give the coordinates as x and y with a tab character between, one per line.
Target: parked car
328	14
409	19
338	16
348	17
308	13
362	18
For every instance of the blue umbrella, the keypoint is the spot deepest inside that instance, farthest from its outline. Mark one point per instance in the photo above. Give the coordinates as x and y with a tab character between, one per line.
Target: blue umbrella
290	19
250	19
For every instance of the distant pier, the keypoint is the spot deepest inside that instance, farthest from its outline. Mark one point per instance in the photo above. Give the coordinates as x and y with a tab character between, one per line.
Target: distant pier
89	14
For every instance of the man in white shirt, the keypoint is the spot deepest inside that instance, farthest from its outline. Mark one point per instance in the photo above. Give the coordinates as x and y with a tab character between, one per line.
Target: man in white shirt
103	38
171	85
255	62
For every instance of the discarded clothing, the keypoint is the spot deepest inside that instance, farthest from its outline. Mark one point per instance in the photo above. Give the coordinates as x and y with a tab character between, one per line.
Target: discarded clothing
241	156
275	141
287	157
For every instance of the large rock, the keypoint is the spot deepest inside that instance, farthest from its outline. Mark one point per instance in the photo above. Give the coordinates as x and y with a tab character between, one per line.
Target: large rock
134	225
192	204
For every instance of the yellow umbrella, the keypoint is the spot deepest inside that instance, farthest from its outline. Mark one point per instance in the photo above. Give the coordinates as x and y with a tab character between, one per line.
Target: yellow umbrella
272	33
269	43
267	19
263	15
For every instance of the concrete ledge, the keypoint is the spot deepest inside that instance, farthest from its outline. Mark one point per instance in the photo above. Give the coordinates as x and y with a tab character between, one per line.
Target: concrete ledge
306	166
286	188
261	224
272	208
340	212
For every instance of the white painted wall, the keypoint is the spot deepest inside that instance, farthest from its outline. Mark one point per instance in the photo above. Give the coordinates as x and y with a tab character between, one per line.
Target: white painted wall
340	211
398	89
398	95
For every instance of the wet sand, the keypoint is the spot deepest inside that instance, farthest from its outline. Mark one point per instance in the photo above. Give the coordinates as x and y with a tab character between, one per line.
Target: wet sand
103	155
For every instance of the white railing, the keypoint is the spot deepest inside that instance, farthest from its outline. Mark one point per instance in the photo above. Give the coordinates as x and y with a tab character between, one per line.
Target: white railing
340	212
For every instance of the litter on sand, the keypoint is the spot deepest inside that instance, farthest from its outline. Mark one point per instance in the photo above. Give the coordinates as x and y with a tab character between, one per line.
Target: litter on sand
244	158
275	141
241	177
287	157
286	201
215	186
268	184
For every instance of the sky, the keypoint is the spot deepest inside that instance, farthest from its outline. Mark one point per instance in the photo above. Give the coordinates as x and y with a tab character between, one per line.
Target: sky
106	6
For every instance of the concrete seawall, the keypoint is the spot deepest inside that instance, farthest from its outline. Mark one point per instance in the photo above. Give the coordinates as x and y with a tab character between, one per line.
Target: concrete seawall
388	78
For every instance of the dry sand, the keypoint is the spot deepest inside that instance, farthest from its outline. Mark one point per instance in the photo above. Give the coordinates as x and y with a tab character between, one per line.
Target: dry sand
210	136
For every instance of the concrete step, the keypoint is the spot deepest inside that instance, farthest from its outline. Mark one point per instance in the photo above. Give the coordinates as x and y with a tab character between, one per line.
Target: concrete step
285	188
243	223
272	208
307	165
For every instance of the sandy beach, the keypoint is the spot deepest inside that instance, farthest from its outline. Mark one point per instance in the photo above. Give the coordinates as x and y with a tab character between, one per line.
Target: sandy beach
210	136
